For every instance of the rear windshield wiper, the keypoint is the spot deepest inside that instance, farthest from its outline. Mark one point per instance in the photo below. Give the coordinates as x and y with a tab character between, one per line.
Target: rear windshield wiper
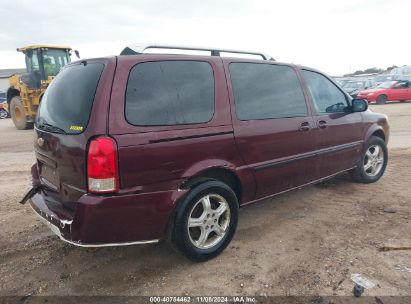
48	127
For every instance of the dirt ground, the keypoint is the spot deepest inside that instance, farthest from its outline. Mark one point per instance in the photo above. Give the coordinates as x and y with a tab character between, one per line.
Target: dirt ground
305	242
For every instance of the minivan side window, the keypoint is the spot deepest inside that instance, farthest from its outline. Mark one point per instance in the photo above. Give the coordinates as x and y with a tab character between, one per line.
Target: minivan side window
327	98
264	91
170	93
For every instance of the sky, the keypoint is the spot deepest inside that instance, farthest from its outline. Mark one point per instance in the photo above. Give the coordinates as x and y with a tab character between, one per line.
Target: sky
335	36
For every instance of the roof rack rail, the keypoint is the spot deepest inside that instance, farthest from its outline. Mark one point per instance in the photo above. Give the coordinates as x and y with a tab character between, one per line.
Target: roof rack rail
140	48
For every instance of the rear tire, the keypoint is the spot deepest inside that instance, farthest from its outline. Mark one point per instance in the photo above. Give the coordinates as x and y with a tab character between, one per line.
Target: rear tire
372	163
205	221
382	99
18	114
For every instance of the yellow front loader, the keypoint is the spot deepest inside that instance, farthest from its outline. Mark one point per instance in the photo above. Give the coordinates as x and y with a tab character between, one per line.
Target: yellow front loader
43	62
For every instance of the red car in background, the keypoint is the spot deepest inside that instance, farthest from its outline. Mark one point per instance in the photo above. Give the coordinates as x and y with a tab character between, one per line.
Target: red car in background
388	91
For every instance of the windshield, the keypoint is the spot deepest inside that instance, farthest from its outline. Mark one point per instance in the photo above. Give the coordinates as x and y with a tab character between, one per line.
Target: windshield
341	82
385	85
383	78
354	85
67	103
54	60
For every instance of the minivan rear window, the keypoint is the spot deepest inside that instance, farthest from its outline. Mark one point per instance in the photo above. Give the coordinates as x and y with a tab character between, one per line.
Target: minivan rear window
170	93
67	103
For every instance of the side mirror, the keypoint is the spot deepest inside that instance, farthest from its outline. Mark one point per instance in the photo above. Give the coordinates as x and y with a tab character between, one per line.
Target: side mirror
77	54
359	105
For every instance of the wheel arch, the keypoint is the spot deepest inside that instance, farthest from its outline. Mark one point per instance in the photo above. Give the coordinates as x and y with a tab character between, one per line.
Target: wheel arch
382	94
377	131
222	174
12	92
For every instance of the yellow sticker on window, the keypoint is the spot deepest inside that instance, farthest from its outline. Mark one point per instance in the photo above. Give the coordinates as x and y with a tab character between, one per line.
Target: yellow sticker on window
76	128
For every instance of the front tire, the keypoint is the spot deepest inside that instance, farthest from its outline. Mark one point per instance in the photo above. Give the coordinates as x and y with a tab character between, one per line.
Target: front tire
18	114
372	163
205	221
382	99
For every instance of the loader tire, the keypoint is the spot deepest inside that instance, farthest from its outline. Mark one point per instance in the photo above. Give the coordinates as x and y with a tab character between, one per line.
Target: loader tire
18	114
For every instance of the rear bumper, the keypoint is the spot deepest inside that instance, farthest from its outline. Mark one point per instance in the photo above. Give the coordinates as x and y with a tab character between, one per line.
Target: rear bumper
100	221
56	230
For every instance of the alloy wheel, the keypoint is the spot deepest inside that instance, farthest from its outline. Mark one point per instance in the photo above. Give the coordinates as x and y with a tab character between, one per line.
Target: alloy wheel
373	160
208	221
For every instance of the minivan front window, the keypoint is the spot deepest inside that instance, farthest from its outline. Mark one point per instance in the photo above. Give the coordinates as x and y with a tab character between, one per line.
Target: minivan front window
327	98
66	105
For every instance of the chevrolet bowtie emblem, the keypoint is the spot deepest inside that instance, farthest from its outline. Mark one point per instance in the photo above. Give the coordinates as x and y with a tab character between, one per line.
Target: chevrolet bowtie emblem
40	142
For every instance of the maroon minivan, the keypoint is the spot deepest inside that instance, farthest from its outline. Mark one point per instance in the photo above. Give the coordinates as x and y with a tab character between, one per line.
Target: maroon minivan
137	148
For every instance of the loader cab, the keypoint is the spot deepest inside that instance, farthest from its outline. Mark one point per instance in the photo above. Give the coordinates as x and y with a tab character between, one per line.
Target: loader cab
42	63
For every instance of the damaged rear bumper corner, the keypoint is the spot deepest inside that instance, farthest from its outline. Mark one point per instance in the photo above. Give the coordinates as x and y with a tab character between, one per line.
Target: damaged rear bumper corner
102	221
64	223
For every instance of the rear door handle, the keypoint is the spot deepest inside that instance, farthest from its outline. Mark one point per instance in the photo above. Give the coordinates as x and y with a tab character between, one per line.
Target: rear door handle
322	124
304	126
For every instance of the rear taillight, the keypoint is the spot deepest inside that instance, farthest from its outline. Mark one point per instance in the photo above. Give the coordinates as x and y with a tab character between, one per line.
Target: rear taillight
102	165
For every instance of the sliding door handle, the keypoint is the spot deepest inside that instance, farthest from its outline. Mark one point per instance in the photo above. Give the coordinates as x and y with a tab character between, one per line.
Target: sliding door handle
322	124
304	126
